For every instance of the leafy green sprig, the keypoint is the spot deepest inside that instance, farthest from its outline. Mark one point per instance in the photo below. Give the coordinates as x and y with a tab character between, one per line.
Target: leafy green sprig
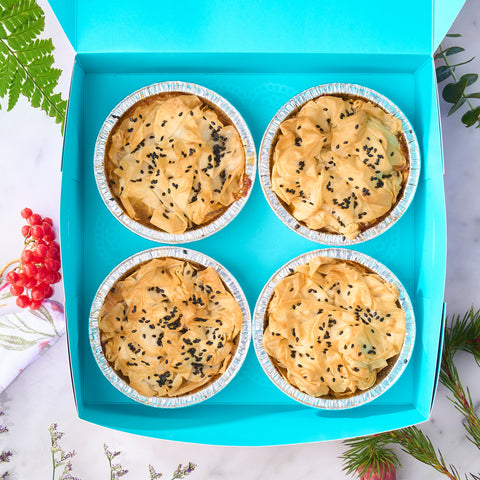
454	92
370	455
26	60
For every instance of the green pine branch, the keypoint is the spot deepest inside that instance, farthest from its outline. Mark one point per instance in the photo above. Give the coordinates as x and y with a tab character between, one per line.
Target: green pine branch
417	444
26	61
371	454
462	335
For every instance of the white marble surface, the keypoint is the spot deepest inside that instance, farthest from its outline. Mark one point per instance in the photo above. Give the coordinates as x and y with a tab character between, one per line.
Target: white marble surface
41	395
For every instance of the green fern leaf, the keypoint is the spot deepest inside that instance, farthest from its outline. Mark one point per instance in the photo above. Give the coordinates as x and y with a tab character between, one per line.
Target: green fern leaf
27	87
61	112
56	99
53	108
26	61
35	50
45	105
7	3
25	34
13	9
36	98
23	12
15	88
6	75
40	64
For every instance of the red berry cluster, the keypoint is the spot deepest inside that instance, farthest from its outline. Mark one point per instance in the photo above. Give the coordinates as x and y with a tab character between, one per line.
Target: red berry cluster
39	265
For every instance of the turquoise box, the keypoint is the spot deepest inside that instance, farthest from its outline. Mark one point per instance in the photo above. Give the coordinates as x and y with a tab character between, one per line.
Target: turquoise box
257	54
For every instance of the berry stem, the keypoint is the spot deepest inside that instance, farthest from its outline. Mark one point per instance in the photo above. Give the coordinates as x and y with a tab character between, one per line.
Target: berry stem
4	269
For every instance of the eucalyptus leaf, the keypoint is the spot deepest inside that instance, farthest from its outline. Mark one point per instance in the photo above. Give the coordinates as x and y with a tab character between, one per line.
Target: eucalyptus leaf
463	63
453	35
458	105
443	72
471	117
473	95
453	51
470	78
449	51
454	91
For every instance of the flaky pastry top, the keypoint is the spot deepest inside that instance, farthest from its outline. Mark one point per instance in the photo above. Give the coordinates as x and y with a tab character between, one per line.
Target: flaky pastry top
331	327
339	165
173	163
169	327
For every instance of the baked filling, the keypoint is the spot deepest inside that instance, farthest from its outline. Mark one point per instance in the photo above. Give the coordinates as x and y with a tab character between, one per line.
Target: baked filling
332	326
173	163
169	327
339	165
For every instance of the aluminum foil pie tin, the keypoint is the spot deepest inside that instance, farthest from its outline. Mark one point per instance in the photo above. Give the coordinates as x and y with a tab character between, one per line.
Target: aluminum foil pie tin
99	162
212	388
327	403
292	106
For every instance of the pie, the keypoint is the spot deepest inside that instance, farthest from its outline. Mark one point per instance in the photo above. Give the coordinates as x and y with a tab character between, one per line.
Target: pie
333	327
339	164
169	327
175	162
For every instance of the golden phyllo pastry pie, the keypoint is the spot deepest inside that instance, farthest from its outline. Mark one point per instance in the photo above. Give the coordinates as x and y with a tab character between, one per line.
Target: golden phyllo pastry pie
175	163
339	164
333	326
169	327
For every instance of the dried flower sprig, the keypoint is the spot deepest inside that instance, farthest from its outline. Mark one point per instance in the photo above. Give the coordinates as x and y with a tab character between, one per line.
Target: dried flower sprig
153	474
369	456
6	454
116	470
62	458
182	472
3	429
59	456
454	92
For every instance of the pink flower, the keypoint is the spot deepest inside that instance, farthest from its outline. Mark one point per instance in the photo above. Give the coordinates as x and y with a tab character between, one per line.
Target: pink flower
43	345
384	472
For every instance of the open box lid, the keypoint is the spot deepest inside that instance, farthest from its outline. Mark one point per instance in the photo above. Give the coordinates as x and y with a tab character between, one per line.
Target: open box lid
270	26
